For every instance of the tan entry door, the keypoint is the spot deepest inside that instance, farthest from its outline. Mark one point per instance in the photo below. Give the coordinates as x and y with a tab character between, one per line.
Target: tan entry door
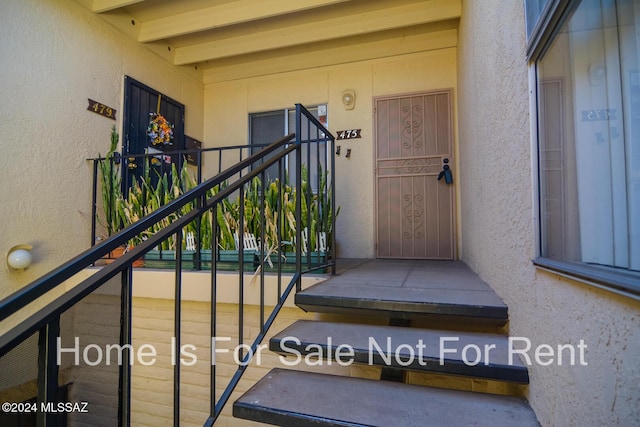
415	210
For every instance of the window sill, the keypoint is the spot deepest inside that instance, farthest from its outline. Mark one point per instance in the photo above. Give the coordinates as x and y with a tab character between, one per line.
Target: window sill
622	282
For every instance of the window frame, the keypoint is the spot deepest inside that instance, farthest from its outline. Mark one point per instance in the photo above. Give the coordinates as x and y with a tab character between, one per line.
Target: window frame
620	281
553	15
287	112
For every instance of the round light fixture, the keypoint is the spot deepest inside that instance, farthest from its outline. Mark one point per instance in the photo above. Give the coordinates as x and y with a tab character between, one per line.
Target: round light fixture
349	99
19	257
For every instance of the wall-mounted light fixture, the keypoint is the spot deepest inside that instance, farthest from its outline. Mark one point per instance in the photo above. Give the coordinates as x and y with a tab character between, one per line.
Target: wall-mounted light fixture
19	257
349	99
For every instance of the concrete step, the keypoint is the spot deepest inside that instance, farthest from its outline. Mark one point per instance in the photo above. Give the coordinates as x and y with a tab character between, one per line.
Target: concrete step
473	354
407	290
296	399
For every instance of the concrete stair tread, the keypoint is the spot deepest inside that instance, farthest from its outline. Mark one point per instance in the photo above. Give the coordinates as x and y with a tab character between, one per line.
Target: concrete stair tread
487	355
295	398
406	290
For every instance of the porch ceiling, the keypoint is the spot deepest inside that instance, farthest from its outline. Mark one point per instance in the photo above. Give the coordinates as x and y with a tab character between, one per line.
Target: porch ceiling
230	39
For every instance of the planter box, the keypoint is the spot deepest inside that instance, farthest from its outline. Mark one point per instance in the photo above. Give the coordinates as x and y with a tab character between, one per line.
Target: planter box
204	261
316	259
228	259
166	259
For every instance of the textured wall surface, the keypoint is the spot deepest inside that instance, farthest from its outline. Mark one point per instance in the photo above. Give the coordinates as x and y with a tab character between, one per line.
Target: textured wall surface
56	55
498	238
228	104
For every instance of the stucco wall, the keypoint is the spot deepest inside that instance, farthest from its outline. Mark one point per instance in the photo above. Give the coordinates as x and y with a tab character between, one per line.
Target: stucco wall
498	234
228	104
55	55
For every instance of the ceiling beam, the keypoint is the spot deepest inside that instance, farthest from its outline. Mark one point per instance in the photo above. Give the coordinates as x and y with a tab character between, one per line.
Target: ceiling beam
335	52
223	15
100	6
297	33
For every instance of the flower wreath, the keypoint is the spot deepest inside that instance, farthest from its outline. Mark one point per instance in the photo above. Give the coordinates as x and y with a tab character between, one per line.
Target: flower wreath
160	131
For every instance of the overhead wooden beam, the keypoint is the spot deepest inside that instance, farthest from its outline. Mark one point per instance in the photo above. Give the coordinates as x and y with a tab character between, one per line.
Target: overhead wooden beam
335	52
100	6
298	33
223	15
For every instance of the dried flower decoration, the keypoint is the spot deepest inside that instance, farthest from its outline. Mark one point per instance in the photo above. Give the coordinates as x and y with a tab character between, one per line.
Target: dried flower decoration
160	131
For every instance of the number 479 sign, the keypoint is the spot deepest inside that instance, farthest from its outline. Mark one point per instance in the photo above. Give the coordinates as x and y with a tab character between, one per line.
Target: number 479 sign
349	134
101	109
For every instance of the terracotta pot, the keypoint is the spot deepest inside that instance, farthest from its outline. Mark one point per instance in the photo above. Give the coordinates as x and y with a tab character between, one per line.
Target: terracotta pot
115	254
118	252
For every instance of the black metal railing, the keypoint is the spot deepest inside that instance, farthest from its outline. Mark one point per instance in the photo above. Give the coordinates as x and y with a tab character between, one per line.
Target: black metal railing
167	173
262	199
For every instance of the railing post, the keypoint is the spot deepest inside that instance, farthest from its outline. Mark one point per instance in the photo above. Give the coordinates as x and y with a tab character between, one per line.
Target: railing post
177	329
124	380
48	372
298	196
198	252
94	202
264	250
241	198
201	201
309	195
333	206
280	225
214	302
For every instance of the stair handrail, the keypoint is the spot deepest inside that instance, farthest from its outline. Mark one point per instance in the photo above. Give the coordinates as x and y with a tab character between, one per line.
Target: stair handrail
46	320
29	293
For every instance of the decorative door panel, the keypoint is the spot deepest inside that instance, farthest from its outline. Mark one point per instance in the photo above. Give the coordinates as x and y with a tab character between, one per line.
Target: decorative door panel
414	209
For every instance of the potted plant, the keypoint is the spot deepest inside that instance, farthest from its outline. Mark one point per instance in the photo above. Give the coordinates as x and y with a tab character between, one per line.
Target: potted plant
110	183
111	191
145	197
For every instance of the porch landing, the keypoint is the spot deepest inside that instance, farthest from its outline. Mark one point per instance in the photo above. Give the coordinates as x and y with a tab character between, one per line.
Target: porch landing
405	290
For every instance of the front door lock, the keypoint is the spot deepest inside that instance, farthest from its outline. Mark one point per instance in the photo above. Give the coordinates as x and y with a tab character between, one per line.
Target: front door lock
446	173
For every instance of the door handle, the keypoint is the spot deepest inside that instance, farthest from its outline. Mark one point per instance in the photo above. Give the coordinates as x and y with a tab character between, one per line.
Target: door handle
446	173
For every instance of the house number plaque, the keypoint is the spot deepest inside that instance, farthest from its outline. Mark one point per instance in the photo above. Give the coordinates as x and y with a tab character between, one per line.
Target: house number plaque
101	109
349	134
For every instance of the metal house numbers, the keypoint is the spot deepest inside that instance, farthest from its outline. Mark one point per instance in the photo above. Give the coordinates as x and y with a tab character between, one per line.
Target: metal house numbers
349	134
101	109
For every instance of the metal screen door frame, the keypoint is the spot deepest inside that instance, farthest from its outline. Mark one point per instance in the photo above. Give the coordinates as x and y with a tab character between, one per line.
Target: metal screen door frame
415	216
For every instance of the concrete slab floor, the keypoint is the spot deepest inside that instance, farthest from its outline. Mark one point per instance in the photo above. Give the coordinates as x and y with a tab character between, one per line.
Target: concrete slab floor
413	281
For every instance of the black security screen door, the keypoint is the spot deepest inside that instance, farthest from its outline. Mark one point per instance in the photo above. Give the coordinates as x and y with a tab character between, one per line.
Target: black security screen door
139	101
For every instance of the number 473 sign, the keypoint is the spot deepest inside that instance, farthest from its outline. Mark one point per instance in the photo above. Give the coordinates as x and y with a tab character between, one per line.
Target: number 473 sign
349	134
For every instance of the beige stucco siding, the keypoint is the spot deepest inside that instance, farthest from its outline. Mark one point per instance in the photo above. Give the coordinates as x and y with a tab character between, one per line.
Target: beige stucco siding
56	55
228	104
498	234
